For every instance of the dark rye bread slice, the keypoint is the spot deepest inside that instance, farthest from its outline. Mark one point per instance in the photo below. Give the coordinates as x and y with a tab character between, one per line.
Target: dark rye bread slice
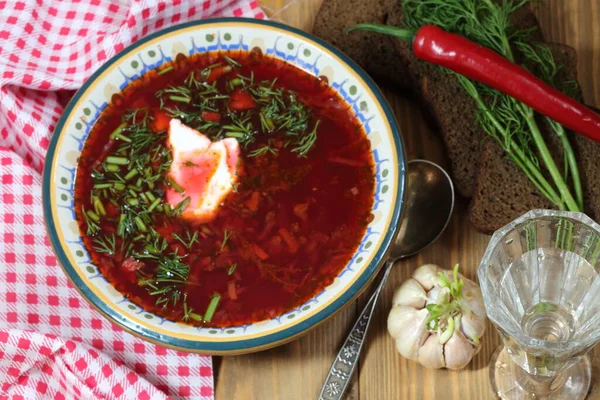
371	51
502	191
450	105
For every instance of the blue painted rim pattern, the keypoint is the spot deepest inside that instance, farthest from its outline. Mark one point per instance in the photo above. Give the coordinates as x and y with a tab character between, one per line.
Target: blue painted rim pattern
238	345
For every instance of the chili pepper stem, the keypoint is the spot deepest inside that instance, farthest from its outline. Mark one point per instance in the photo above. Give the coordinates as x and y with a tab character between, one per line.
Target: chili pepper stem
400	33
547	158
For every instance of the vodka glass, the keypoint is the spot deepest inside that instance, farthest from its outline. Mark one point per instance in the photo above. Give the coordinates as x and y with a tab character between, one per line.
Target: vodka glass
540	285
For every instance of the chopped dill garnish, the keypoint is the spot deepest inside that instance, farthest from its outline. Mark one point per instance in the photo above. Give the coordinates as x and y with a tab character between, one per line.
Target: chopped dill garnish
307	142
188	313
212	307
92	226
226	236
165	70
106	244
232	269
240	128
189	241
232	62
175	186
128	186
262	150
181	206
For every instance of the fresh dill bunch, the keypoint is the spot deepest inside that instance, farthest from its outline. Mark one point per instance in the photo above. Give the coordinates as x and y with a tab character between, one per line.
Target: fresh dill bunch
511	123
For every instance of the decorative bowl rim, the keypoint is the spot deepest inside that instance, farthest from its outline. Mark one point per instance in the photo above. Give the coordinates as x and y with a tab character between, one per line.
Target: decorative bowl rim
278	337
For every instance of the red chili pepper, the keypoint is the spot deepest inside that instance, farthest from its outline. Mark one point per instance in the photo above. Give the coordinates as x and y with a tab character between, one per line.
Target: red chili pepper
434	45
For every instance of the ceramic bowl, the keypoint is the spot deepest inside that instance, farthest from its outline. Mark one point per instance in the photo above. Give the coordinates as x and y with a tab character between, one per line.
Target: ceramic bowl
280	41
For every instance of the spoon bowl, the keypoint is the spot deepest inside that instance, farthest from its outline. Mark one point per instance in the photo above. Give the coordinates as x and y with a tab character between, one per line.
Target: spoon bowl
428	208
429	205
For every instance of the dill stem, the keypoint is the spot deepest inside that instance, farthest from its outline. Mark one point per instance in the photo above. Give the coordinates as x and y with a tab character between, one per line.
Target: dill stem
548	160
516	153
529	116
571	160
212	307
165	70
115	160
533	172
112	168
527	168
118	130
130	174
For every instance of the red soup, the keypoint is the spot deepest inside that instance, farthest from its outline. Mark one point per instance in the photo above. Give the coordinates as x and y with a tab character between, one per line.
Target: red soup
222	190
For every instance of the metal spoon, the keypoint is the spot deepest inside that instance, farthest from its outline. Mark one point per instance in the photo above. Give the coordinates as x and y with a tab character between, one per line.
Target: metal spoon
429	204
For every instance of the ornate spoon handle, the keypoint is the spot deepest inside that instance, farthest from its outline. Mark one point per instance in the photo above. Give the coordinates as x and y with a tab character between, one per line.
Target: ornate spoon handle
343	366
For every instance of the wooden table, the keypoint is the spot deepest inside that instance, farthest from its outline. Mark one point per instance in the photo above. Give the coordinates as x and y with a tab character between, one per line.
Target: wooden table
296	370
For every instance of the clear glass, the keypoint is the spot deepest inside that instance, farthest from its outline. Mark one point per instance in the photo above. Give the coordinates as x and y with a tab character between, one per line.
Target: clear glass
540	284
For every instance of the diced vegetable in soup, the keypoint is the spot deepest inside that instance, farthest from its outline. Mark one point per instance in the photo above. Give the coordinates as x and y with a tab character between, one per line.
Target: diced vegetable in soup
222	190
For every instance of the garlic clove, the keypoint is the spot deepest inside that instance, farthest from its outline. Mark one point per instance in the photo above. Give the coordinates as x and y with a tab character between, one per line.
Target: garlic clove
432	295
472	298
427	275
407	326
398	318
458	351
473	326
438	295
431	354
443	296
411	294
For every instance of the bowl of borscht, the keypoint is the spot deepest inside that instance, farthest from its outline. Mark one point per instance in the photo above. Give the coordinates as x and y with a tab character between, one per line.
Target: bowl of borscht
224	186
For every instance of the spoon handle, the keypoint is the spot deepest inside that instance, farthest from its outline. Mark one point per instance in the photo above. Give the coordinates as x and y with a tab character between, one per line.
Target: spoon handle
343	366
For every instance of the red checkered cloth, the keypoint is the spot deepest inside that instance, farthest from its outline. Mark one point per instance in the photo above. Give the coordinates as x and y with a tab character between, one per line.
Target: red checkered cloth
52	343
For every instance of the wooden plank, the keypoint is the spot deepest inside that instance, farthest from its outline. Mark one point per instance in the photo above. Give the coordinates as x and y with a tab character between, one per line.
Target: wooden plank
296	370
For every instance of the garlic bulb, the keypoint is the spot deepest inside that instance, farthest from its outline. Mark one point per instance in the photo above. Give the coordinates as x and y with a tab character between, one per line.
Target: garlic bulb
437	318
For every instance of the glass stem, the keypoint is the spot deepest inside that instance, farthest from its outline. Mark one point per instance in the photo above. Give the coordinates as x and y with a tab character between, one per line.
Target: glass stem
541	386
